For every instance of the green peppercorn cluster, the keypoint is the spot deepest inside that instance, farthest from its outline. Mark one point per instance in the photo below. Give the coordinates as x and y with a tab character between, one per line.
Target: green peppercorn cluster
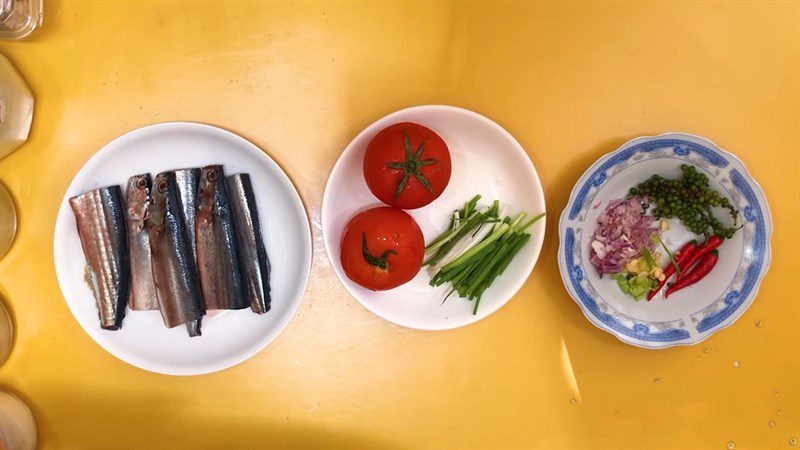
689	199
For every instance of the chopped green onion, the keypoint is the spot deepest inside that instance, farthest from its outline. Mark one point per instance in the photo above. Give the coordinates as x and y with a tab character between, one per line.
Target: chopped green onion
475	220
658	240
648	257
516	221
474	250
472	268
530	222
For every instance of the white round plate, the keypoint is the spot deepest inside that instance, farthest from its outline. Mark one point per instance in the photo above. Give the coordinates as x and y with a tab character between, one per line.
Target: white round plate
486	160
228	338
696	312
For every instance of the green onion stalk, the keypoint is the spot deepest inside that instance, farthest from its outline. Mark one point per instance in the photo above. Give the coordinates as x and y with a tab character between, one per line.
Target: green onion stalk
474	270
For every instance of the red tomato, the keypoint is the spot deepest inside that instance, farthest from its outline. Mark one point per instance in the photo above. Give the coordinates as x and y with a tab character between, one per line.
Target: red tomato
407	165
382	248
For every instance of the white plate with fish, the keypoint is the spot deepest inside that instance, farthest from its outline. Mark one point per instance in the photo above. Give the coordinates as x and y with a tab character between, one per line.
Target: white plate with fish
714	290
228	336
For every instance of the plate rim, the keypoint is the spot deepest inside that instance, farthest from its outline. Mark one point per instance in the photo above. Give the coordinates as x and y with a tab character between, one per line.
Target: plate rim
457	109
700	337
297	200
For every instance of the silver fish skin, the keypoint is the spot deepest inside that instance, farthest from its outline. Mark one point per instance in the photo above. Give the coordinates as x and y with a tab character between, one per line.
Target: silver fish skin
188	182
137	200
100	217
217	250
254	258
193	327
174	271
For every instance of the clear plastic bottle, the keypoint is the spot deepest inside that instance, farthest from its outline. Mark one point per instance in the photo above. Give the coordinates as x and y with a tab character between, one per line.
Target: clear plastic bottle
18	18
16	108
17	424
6	332
8	224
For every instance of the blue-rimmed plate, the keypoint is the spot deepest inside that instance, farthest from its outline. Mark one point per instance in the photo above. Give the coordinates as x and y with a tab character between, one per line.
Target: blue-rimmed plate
696	312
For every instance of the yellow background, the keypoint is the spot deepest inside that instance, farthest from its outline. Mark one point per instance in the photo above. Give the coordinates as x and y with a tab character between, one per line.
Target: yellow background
571	81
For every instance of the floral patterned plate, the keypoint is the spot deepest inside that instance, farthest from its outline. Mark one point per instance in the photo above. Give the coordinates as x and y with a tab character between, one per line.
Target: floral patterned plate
692	314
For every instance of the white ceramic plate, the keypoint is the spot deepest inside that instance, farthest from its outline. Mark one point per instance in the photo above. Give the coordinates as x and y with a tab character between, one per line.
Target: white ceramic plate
486	160
228	338
696	312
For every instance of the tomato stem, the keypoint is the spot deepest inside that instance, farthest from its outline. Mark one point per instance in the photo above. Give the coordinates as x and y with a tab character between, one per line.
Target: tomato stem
380	262
411	166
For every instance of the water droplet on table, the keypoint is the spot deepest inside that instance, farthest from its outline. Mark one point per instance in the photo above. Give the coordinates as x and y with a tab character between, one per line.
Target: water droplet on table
736	364
778	411
776	393
573	401
759	324
792	440
705	349
657	380
772	424
731	445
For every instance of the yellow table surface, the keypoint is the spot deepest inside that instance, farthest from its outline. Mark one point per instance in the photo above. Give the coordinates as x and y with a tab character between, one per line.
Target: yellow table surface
571	81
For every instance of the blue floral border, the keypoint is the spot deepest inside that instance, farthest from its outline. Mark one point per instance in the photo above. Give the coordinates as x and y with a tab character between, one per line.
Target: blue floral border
733	299
752	213
638	331
680	147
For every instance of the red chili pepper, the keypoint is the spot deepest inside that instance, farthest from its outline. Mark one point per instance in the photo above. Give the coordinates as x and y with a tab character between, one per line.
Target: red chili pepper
680	257
700	271
704	249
